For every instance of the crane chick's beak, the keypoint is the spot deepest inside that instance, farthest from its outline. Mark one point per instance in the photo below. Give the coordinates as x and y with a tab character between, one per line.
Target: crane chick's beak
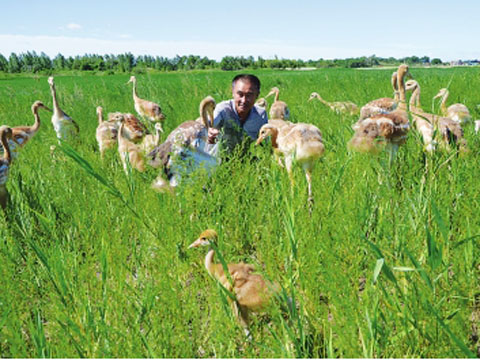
196	243
259	140
47	108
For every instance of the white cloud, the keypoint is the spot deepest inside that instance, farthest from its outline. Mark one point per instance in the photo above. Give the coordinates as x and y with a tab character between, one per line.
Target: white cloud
125	36
71	46
74	26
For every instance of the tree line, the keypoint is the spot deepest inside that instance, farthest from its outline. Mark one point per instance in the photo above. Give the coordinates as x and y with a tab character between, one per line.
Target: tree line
31	62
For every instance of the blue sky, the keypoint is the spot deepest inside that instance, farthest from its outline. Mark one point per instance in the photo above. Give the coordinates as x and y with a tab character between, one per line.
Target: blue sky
296	29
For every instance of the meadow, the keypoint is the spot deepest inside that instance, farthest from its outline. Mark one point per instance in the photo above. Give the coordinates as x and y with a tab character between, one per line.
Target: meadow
94	263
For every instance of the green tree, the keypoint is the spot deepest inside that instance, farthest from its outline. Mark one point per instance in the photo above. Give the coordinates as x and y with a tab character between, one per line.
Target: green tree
59	62
14	63
3	63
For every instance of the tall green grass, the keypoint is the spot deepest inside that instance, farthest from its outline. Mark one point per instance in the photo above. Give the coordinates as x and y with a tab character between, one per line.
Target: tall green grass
95	264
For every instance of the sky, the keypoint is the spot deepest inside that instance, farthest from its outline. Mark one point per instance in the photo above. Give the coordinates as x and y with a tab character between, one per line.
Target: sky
295	29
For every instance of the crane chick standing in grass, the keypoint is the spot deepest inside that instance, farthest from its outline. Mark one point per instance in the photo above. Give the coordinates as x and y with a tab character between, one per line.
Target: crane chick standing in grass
65	127
300	142
22	134
145	108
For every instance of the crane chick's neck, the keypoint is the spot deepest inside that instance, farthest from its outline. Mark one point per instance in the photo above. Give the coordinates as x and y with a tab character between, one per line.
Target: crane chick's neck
209	264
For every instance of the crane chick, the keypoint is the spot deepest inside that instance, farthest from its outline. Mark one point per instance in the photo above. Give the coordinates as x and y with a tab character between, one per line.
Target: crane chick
279	109
252	292
106	133
65	127
22	134
300	142
145	108
339	107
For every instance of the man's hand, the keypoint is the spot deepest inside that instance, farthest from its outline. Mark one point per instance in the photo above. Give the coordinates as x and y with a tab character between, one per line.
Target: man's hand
212	135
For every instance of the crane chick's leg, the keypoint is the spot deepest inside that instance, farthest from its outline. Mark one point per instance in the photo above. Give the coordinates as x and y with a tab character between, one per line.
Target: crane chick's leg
288	166
308	175
241	312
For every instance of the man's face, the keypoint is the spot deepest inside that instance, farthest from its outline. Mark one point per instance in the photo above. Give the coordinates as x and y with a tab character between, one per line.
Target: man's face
244	96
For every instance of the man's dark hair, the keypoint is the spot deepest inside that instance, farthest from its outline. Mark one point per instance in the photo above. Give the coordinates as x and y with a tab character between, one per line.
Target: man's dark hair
249	77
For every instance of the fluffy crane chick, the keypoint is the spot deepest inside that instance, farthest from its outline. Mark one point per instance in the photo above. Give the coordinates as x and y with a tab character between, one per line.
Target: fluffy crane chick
106	133
23	134
65	127
457	112
145	108
252	292
133	129
298	142
279	109
339	107
382	105
370	137
392	126
131	151
450	130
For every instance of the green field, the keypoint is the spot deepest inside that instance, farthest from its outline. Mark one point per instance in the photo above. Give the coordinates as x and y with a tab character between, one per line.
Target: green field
387	265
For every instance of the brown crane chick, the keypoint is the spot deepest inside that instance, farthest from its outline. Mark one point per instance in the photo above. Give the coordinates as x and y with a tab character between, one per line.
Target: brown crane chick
457	112
145	108
131	151
279	109
65	127
382	105
22	134
395	124
133	129
252	292
5	162
369	137
339	107
106	134
297	142
451	132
